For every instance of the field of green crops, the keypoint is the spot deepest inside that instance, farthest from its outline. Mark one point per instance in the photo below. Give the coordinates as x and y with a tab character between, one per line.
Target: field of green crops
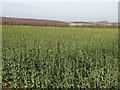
59	57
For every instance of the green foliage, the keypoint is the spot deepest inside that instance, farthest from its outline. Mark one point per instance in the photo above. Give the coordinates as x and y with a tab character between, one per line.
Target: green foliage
60	57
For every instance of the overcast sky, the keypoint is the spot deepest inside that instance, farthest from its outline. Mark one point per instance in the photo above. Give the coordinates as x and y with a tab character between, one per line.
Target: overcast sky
65	11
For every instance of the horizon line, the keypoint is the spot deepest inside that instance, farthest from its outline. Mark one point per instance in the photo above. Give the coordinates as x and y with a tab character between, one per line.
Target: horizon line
57	19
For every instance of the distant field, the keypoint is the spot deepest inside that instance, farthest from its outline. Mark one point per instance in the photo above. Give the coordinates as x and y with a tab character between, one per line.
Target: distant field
60	57
55	23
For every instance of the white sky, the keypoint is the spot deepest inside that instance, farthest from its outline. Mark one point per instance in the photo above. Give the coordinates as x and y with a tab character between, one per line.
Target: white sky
60	0
66	10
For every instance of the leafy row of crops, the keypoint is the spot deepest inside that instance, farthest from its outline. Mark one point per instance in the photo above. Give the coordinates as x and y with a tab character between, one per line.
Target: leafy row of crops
56	57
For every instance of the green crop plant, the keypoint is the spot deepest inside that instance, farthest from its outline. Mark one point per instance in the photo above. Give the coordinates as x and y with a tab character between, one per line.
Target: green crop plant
59	57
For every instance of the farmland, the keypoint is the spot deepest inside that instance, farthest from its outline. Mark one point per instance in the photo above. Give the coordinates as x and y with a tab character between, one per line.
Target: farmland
59	57
55	23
